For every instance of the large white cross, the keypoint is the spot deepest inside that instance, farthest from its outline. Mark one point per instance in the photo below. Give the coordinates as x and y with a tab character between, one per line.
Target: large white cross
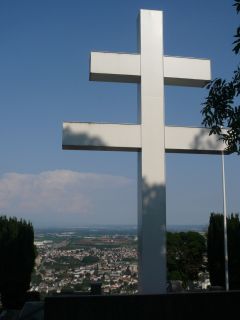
150	137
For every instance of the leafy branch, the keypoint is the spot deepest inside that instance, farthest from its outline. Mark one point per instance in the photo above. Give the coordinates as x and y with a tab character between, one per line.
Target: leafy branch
221	108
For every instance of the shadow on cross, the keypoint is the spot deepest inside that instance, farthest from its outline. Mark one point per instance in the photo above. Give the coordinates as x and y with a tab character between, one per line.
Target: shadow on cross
153	220
153	197
81	141
206	144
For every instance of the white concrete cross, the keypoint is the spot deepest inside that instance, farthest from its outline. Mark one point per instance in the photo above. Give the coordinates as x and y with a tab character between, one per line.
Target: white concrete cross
150	137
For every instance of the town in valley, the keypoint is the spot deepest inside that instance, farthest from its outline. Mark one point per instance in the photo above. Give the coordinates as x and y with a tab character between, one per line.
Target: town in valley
71	260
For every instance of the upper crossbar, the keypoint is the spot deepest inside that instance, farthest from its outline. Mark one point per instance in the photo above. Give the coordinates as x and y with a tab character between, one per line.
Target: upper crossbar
123	67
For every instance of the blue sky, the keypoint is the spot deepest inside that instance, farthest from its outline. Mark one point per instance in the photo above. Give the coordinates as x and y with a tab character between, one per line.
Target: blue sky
44	71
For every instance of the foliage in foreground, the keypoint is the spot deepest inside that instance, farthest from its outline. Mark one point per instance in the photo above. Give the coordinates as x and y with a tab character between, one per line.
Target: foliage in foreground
221	108
185	255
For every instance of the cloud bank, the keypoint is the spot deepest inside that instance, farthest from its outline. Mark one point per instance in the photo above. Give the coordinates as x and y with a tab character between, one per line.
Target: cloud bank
68	198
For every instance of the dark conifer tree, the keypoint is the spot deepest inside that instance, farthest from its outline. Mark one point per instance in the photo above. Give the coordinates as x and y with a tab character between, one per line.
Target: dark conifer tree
17	256
215	250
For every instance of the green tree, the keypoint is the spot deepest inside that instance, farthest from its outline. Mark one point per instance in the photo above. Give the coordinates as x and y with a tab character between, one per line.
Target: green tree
90	260
185	255
215	250
36	278
17	256
221	108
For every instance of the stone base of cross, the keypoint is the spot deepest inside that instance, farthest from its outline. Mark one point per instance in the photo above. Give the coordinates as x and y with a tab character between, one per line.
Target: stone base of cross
150	137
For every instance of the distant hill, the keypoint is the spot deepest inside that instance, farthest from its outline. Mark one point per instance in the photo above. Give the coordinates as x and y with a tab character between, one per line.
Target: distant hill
113	229
188	227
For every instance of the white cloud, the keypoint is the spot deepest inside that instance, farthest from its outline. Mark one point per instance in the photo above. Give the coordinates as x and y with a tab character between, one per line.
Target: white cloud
67	197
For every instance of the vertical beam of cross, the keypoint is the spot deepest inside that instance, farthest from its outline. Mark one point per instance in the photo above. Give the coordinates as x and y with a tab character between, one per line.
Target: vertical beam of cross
151	184
150	138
